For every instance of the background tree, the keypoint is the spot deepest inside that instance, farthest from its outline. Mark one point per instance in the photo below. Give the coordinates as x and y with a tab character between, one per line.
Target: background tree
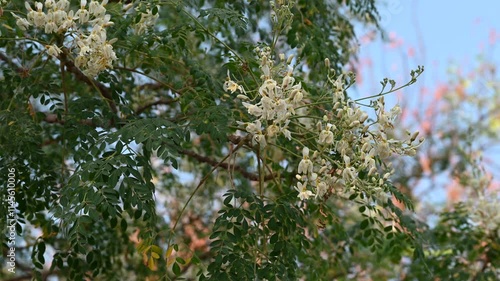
458	118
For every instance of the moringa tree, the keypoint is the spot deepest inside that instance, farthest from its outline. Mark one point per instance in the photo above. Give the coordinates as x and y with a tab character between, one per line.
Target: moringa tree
211	140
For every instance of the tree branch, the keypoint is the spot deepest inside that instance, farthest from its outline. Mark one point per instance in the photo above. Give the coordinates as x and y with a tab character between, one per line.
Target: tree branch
141	109
70	66
12	64
213	163
53	118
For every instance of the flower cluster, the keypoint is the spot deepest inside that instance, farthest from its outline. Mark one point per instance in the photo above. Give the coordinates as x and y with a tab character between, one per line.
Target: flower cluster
345	149
275	104
349	146
87	26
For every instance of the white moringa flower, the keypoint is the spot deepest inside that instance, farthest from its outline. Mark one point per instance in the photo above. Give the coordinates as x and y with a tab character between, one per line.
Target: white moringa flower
304	194
266	71
232	86
49	3
50	26
82	14
97	9
326	136
260	139
272	130
53	50
305	165
349	174
347	161
38	17
268	88
321	188
254	128
287	134
23	23
253	109
268	111
62	5
287	82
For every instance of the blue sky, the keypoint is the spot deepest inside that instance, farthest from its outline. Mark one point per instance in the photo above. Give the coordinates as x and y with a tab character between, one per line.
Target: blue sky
450	29
447	31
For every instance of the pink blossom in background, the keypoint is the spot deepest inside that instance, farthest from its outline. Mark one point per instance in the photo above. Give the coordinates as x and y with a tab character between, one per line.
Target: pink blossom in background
425	164
440	91
493	37
411	52
454	191
395	41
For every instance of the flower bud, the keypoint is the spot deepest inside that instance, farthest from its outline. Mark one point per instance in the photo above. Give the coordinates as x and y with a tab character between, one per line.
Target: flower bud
363	118
127	7
372	171
354	123
414	136
319	126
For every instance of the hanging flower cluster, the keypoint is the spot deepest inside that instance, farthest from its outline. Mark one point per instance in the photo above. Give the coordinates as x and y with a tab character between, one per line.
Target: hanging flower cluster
349	146
87	27
347	149
276	102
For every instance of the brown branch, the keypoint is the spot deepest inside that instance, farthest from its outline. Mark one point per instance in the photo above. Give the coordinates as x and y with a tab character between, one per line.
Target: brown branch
53	118
151	86
213	163
141	109
160	85
70	66
12	64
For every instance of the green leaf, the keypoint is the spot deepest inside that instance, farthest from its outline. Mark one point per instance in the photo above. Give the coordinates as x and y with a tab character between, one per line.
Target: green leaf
364	224
176	269
123	225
